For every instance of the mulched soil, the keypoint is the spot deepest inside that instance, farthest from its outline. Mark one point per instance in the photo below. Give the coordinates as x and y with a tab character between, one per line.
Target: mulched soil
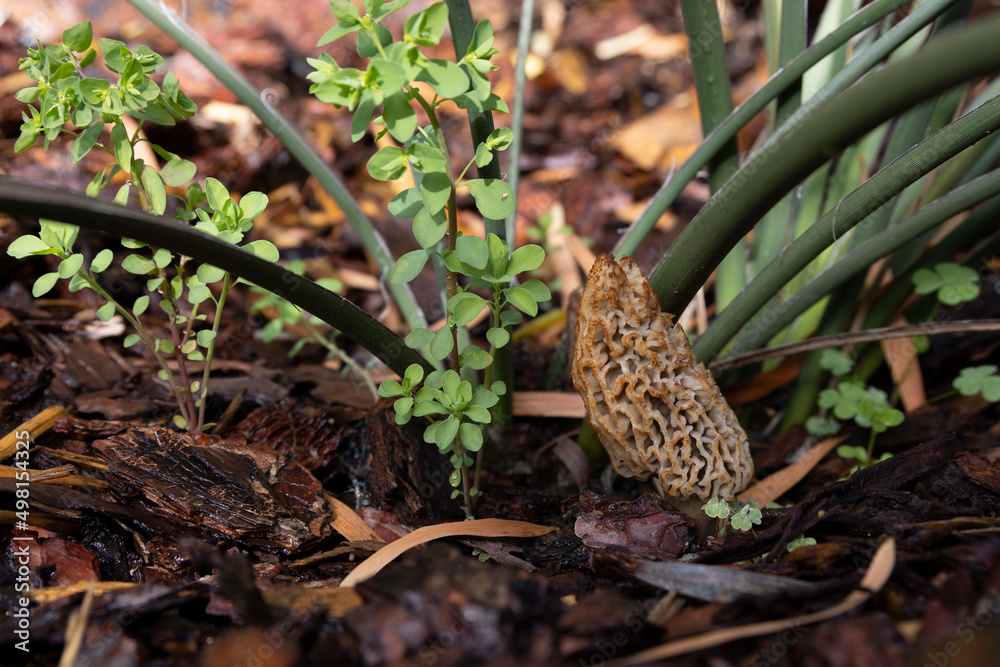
228	550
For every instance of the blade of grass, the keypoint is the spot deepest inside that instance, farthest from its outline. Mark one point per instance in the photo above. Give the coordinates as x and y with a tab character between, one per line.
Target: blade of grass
818	134
850	211
19	197
881	245
715	102
859	21
373	242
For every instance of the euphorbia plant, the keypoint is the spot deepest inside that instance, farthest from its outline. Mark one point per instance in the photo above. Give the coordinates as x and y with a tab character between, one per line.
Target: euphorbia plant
97	107
455	406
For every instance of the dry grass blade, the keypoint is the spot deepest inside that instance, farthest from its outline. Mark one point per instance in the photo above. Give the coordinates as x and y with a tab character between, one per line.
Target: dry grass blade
770	489
549	404
35	426
75	628
875	578
477	528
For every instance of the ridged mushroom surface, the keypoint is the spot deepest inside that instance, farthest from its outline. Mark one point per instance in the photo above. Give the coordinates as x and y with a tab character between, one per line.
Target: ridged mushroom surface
656	409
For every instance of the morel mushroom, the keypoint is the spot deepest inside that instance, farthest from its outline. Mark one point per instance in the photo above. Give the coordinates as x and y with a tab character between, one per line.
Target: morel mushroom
656	409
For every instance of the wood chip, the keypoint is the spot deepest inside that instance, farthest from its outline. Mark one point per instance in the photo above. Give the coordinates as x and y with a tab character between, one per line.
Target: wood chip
35	426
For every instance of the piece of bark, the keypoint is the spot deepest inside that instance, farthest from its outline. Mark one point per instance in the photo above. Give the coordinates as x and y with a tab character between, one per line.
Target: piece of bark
242	492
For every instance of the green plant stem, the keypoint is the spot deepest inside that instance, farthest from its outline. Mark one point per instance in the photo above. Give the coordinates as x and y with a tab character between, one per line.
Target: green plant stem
481	125
41	200
818	134
724	133
881	245
847	213
210	349
451	280
373	242
141	332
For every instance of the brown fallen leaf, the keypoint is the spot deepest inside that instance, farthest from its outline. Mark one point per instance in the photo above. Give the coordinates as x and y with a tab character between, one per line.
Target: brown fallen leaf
770	489
347	522
476	528
875	578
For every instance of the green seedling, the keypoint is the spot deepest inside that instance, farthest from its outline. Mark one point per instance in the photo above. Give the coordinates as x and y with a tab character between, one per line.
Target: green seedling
742	516
455	408
979	380
952	283
867	406
800	541
93	110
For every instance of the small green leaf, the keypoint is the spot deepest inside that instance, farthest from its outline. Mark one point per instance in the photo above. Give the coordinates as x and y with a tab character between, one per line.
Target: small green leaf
494	198
538	290
263	249
500	138
106	312
217	193
408	267
153	186
413	375
466	307
140	305
835	361
472	250
418	338
429	228
390	388
209	274
79	37
178	172
69	266
131	340
427	159
44	284
526	258
441	343
484	155
388	164
138	265
497	337
447	78
122	147
102	260
435	190
29	244
475	357
472	437
399	117
521	298
406	204
162	258
362	115
83	143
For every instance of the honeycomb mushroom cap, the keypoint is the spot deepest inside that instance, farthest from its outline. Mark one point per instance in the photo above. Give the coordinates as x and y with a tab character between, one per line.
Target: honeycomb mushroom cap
656	409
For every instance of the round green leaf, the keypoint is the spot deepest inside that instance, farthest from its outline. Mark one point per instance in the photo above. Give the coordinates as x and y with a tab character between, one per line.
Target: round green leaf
388	164
538	290
140	305
472	250
498	337
435	190
399	117
417	338
494	198
79	37
441	343
209	274
408	267
216	192
69	266
205	337
138	265
500	138
521	298
101	260
131	340
406	204
475	357
429	228
472	437
178	172
253	204
466	307
525	258
83	143
448	79
44	283
106	312
122	147
162	257
263	249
